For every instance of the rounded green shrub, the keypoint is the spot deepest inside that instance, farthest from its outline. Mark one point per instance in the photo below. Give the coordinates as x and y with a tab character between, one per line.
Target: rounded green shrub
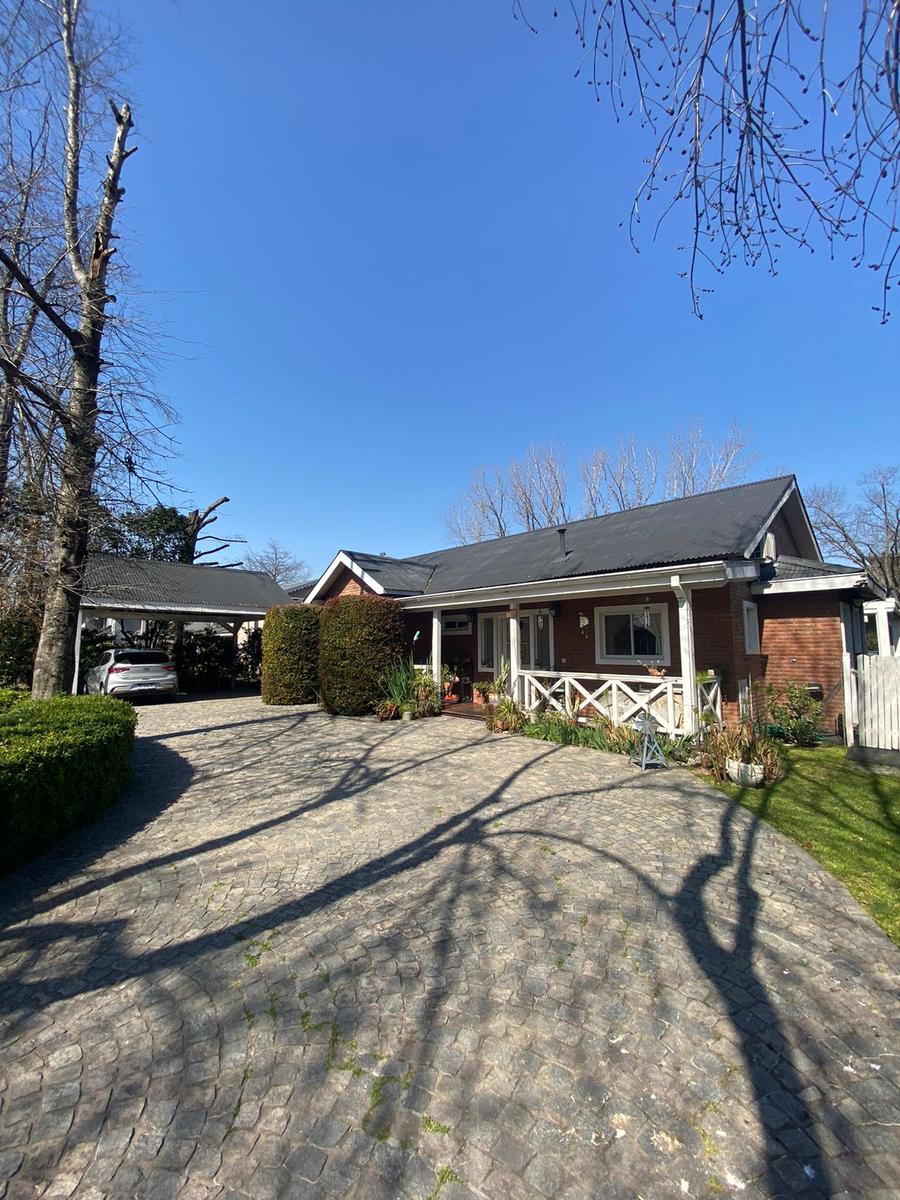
62	761
290	654
361	639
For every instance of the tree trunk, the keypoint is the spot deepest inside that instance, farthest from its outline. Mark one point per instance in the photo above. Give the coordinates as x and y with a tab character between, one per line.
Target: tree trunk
54	662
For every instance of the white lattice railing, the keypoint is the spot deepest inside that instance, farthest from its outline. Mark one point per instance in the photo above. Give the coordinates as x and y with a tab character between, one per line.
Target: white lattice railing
709	699
621	698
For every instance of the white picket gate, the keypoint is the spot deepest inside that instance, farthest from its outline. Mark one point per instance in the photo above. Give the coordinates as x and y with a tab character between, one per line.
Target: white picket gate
878	701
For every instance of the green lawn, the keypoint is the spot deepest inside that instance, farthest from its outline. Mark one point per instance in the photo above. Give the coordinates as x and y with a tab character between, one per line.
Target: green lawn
847	817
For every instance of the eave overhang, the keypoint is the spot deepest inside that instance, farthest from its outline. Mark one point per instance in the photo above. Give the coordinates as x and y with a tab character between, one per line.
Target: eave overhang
852	581
707	574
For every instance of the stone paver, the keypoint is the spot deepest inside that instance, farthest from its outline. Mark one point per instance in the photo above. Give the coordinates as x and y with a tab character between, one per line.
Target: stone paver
313	957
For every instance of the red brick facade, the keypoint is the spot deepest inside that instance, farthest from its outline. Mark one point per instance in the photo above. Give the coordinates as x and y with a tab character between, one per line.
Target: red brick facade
346	584
800	638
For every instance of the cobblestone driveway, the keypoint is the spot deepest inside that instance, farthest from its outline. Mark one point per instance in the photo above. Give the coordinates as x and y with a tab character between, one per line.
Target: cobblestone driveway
319	957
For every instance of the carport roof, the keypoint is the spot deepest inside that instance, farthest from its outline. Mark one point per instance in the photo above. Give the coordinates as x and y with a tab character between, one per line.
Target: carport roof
134	585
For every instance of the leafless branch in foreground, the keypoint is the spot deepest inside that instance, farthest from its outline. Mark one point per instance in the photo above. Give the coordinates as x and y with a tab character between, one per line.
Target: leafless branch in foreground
770	121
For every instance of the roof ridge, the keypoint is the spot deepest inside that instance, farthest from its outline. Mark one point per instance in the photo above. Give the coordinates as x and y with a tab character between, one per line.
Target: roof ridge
170	562
600	516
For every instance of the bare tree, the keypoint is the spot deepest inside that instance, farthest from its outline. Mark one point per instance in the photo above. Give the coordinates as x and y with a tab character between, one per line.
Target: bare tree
632	475
198	520
537	487
864	530
530	494
533	492
697	463
76	402
483	512
279	563
769	121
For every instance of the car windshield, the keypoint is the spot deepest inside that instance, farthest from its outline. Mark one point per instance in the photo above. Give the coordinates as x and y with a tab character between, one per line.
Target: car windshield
141	658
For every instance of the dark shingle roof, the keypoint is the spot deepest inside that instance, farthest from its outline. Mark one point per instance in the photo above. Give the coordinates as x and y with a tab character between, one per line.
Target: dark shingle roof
134	583
301	589
806	568
398	576
702	528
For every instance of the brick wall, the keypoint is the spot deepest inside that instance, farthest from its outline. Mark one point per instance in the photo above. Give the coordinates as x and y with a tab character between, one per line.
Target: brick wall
800	639
346	584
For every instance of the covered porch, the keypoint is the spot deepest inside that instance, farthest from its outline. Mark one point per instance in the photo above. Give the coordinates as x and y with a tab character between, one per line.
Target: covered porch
582	652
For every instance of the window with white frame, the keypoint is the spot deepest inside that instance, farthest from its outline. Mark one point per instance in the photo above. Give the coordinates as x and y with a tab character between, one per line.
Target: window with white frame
455	623
751	627
535	640
637	634
487	641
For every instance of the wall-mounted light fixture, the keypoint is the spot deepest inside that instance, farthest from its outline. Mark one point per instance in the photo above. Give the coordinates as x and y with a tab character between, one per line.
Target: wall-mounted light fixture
555	610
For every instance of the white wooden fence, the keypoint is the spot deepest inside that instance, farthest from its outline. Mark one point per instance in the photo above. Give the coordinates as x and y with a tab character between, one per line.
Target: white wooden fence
621	698
872	697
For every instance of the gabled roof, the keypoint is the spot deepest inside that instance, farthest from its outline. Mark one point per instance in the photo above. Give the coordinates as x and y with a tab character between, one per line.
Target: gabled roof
397	576
138	585
714	526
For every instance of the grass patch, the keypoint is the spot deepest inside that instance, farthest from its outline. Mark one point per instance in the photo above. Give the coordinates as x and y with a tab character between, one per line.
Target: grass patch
846	816
443	1176
376	1099
429	1125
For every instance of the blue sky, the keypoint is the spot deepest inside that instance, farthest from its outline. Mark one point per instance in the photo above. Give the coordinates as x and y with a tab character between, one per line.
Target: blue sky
383	242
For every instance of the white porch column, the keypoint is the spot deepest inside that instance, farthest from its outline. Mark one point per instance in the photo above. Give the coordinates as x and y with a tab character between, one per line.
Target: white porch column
436	628
77	654
688	657
883	630
515	656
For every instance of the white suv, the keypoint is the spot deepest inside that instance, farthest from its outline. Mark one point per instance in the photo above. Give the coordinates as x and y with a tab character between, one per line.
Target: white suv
133	672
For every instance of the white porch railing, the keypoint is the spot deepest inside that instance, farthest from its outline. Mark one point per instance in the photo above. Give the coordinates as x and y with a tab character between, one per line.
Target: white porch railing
621	698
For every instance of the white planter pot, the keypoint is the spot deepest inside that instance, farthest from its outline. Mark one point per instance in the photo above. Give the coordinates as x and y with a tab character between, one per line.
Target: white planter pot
406	716
745	774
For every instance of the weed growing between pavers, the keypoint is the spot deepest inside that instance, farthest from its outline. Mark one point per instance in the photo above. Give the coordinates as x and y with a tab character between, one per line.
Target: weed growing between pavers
429	1125
443	1176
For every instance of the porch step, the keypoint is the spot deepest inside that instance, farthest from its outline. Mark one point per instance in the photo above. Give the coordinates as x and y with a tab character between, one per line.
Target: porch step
466	710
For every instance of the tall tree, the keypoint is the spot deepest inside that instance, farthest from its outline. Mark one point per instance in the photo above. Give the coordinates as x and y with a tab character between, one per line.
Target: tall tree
766	121
863	529
279	563
533	491
72	385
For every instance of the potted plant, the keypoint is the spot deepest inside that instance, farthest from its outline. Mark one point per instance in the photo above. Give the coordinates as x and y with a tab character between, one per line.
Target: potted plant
481	690
751	758
500	686
407	711
449	679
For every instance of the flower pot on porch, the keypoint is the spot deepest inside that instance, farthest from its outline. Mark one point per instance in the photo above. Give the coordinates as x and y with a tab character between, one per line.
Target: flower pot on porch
745	774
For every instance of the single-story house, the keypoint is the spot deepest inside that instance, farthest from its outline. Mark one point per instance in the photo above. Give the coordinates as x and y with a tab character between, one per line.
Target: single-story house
680	608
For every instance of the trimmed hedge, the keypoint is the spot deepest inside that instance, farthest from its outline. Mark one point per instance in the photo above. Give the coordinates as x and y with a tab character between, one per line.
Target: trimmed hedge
62	762
290	654
361	639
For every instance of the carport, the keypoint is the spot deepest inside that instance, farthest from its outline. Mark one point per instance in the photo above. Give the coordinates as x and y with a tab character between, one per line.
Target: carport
145	590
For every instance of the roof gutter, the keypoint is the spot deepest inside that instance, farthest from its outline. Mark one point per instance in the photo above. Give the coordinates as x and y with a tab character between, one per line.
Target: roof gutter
708	574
